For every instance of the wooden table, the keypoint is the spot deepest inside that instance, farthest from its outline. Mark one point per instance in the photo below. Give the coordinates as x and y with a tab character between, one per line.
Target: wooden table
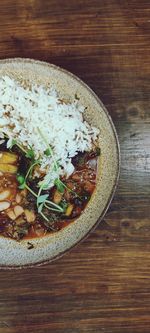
102	285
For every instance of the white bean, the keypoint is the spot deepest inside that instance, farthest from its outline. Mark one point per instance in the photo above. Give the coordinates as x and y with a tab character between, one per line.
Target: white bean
18	198
4	195
4	205
18	210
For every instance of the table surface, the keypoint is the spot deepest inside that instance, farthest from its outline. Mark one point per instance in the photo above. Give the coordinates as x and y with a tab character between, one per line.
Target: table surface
103	284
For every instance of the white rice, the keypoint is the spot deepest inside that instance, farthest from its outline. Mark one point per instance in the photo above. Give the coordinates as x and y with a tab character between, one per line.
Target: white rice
23	111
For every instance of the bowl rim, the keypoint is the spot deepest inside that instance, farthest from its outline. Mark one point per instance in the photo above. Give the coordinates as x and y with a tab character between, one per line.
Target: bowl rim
118	155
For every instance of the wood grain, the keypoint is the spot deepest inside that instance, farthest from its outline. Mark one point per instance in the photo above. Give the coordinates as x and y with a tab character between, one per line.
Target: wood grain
102	285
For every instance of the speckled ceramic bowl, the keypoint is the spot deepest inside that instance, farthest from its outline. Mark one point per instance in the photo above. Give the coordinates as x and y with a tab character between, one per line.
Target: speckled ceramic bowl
15	254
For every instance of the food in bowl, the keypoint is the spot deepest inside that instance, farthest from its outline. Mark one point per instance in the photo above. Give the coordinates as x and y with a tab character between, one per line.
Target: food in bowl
48	160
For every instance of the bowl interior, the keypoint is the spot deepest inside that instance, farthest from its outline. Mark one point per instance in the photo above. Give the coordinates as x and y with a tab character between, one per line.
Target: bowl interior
17	254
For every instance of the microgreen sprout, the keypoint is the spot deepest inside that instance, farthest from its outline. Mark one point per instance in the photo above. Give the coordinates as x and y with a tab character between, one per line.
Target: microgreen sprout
48	149
62	186
29	172
21	181
59	185
30	154
13	143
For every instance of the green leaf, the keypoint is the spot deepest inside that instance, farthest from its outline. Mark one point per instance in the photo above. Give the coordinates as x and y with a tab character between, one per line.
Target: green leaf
30	170
60	186
30	153
56	166
40	207
47	152
64	205
45	186
49	149
20	179
42	198
13	143
22	186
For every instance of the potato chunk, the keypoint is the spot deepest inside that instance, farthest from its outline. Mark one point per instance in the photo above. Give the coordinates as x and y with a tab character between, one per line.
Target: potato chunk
57	197
30	216
69	210
8	168
8	158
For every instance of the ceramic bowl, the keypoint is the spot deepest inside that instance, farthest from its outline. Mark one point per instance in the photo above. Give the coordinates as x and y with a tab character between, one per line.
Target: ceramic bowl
15	254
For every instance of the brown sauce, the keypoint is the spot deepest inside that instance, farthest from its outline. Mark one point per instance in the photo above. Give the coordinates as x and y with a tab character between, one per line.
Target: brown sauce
20	220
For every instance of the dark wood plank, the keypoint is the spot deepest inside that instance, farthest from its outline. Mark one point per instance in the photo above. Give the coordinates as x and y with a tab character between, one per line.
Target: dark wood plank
102	285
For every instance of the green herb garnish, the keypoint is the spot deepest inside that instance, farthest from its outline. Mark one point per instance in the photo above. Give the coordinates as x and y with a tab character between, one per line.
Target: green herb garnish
21	181
48	148
64	204
62	186
42	198
47	152
13	143
59	185
30	154
29	172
